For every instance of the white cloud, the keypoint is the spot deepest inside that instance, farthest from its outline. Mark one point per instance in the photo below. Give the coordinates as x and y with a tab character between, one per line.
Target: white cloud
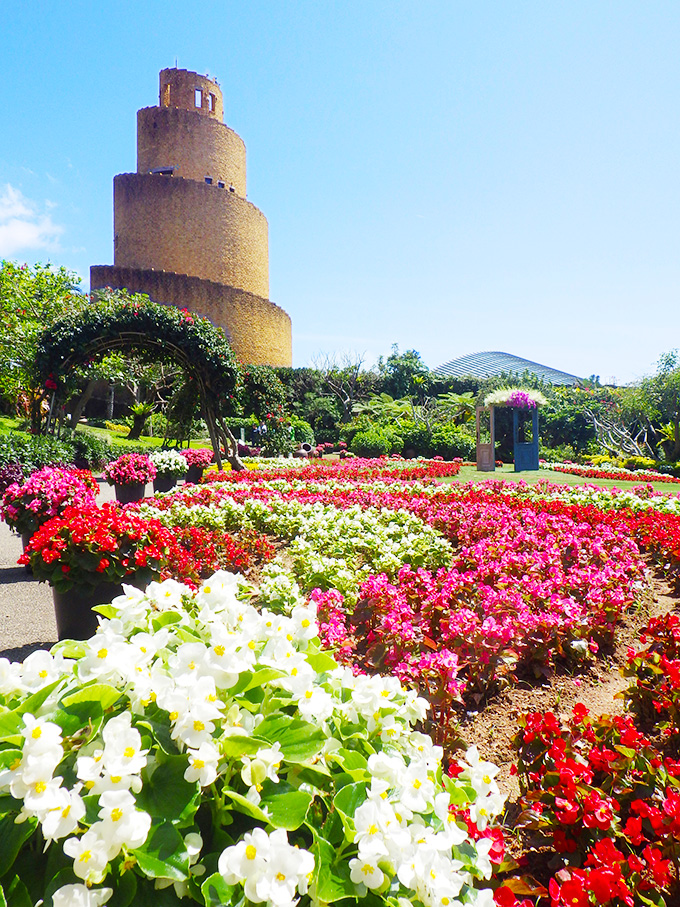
23	226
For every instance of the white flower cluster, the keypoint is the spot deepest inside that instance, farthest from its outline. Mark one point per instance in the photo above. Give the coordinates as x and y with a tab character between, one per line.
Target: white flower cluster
330	547
168	462
248	703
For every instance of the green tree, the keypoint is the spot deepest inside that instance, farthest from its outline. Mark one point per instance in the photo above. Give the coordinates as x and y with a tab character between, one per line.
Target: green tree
403	374
31	298
651	407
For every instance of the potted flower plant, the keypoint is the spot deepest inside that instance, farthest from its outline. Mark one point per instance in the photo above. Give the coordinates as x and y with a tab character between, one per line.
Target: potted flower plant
170	466
87	552
129	474
197	459
27	505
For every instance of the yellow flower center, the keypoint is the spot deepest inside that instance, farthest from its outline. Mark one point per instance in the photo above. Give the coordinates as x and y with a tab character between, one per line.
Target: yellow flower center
207	590
129	752
417	784
173	716
199	726
219	650
198	763
42	674
102	653
251	852
85	856
40	787
116	814
36	733
367	869
280	877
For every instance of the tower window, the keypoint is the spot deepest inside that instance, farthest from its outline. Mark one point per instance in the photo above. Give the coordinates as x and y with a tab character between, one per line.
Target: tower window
208	180
211	102
220	184
198	97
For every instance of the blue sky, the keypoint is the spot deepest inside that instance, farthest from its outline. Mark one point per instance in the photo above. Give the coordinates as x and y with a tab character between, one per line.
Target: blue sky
449	176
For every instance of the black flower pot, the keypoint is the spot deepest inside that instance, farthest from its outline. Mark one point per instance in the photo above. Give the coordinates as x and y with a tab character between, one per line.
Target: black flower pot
164	483
73	609
126	494
195	474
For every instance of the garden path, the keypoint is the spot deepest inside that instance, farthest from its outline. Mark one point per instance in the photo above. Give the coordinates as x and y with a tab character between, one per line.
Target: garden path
26	610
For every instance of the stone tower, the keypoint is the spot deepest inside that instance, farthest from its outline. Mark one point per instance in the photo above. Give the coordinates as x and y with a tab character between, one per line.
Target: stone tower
183	230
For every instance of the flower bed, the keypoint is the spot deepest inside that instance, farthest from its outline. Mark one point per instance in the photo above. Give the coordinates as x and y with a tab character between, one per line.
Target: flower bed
610	472
604	791
519	588
196	743
168	463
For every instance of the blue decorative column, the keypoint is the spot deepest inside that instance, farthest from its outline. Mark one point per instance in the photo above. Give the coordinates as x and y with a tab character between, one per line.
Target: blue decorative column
526	452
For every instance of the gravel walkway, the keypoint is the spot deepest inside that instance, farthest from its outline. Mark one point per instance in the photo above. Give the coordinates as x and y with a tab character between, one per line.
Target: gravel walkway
26	610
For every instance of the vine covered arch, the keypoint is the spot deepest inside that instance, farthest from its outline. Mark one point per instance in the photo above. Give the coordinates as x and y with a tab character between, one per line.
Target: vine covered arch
119	322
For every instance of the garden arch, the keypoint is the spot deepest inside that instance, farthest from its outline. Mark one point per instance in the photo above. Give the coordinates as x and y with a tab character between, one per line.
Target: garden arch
133	323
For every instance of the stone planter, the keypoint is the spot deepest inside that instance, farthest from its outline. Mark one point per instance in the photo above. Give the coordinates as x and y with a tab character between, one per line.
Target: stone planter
164	483
73	609
126	494
195	474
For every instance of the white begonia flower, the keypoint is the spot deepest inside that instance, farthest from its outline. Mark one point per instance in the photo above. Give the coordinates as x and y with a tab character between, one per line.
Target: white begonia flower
417	790
304	621
166	595
90	856
39	669
123	753
314	703
454	833
122	824
268	867
105	656
421	747
39	794
263	765
245	862
187	663
63	815
203	764
10	678
219	593
133	607
366	872
479	773
391	729
89	768
80	896
40	736
483	848
370	827
486	808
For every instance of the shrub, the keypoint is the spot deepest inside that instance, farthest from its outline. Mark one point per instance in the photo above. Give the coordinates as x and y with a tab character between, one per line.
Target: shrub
376	441
418	439
34	451
302	431
451	441
90	452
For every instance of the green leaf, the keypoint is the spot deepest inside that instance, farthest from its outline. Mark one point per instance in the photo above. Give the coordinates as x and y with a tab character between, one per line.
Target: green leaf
124	890
216	892
351	762
236	746
163	855
299	739
69	648
248	681
11	723
9	757
77	716
166	794
332	879
103	693
288	810
3	900
17	894
243	805
165	619
322	662
106	610
12	836
348	799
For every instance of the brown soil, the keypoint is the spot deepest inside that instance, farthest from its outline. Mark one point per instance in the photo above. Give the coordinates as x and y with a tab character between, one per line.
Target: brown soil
493	728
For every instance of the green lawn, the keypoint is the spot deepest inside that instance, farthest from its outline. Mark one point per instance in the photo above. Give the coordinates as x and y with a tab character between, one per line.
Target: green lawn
508	474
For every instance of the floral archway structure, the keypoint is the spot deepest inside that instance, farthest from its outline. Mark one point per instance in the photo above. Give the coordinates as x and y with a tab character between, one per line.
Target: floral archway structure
120	322
524	404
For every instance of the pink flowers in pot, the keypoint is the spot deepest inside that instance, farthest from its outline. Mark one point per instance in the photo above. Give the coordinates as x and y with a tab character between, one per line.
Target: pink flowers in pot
198	456
26	506
130	469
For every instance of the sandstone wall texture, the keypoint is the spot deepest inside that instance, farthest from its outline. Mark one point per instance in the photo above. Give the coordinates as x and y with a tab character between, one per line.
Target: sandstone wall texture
188	230
259	331
172	224
195	147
